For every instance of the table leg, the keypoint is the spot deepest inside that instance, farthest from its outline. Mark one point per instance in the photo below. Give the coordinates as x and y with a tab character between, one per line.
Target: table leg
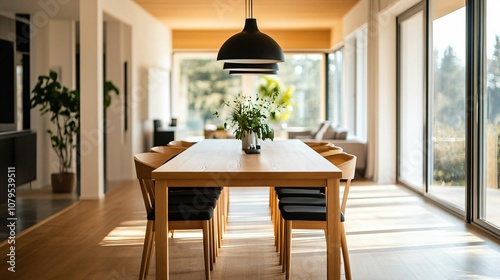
333	229
161	229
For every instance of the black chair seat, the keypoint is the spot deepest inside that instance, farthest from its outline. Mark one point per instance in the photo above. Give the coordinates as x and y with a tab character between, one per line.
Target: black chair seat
186	212
306	213
198	191
310	192
308	201
199	200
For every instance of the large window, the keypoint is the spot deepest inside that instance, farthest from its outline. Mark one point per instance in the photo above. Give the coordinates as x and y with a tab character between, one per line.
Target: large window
447	102
354	113
411	98
335	76
449	117
200	85
303	72
489	198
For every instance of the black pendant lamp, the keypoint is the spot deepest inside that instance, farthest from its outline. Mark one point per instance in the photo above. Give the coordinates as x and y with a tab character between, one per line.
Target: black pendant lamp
250	46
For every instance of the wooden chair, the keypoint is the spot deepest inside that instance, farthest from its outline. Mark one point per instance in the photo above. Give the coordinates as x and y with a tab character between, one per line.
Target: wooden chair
145	163
325	149
180	143
317	143
219	224
166	150
311	214
332	150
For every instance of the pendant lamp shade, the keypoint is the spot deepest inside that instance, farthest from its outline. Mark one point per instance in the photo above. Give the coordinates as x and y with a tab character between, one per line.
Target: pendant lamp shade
251	67
235	72
250	46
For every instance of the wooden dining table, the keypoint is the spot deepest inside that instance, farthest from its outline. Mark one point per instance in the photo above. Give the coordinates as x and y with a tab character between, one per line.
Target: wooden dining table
222	162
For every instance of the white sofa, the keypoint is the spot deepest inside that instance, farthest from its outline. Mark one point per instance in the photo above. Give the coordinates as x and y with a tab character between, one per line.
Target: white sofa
338	137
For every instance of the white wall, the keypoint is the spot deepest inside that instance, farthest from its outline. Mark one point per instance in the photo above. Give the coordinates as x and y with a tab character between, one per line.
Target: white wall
356	17
117	139
151	49
61	49
146	44
382	81
39	64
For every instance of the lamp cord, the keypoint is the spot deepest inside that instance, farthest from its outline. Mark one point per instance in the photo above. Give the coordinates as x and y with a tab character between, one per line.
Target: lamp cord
248	8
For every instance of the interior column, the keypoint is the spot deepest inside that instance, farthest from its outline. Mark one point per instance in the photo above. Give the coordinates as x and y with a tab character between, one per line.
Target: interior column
91	100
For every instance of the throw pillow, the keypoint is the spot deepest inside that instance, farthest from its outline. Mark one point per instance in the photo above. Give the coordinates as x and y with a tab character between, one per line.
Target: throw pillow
330	133
324	127
315	131
341	135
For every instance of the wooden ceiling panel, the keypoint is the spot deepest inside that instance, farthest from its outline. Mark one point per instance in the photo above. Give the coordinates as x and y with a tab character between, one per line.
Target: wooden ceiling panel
230	14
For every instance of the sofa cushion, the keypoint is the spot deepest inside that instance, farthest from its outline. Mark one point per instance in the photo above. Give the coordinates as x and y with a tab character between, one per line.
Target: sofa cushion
341	135
330	133
319	134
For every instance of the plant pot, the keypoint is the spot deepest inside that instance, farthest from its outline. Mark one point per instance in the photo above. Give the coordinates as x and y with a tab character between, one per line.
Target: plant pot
250	143
62	182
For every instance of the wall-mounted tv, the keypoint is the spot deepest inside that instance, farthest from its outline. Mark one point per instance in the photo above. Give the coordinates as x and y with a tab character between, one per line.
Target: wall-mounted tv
7	86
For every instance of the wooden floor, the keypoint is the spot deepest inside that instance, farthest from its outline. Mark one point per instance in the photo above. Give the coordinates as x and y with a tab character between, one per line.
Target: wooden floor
392	234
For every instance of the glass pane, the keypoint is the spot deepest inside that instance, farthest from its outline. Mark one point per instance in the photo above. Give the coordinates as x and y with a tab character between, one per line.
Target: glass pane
411	98
201	86
361	83
335	87
303	73
447	96
349	94
491	152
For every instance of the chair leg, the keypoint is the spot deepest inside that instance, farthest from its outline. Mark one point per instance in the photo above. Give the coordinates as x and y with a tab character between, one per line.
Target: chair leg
281	239
345	252
146	251
206	248
226	209
220	221
283	235
288	248
211	243
152	247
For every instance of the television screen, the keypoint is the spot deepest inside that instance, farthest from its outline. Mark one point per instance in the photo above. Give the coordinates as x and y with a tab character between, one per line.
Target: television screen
7	88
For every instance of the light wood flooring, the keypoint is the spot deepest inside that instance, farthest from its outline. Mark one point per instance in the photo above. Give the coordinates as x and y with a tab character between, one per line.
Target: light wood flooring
391	232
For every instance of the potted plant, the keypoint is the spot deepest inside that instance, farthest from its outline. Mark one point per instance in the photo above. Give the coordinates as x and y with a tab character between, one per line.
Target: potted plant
63	105
249	119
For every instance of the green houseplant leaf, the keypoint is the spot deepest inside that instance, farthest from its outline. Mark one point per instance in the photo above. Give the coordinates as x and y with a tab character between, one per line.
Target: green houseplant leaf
248	115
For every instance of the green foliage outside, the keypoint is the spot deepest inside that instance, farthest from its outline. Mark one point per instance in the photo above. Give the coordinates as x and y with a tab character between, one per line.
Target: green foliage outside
449	115
272	86
449	156
207	86
448	128
303	73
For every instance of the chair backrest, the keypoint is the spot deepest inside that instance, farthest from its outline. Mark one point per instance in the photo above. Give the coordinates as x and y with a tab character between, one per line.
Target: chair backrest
347	163
170	150
145	163
178	143
321	149
332	150
317	143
